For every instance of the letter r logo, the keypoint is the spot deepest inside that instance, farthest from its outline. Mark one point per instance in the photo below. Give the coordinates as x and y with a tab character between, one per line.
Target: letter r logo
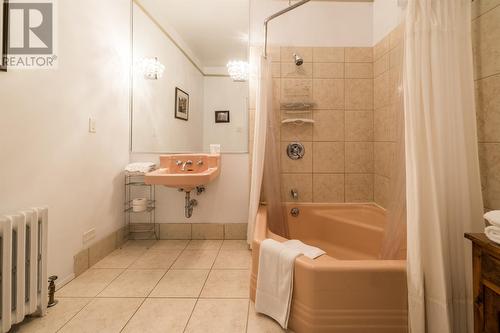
30	28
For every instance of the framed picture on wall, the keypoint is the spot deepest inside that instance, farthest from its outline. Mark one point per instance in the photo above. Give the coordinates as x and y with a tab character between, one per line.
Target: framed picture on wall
181	104
4	33
222	117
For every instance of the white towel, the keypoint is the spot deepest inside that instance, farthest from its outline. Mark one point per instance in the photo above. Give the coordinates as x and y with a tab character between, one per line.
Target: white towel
493	234
493	218
275	280
140	167
307	250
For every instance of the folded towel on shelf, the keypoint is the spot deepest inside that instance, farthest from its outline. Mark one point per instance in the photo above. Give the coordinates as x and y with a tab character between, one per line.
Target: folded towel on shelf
142	167
275	280
493	234
307	250
493	218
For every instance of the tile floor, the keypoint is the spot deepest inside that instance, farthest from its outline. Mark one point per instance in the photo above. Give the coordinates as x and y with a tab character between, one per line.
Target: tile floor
160	286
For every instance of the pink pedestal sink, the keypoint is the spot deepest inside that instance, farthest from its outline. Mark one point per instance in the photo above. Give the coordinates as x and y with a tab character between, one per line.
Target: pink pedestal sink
185	171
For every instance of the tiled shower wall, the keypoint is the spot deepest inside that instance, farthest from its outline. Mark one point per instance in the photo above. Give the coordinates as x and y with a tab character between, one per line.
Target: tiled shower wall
486	44
339	158
387	56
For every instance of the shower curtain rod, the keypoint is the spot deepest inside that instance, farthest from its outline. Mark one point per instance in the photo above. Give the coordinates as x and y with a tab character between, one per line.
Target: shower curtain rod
281	12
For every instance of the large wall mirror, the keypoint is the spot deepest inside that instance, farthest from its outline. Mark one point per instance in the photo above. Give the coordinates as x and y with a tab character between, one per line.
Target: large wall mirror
183	99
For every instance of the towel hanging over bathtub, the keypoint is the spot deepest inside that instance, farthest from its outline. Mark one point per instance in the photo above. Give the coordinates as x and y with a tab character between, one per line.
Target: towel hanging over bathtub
275	280
307	250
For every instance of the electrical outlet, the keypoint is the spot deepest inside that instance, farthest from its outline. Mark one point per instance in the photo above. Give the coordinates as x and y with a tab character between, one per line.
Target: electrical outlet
92	125
88	236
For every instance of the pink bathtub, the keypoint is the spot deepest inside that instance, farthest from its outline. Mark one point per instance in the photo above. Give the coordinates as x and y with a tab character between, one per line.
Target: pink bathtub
348	290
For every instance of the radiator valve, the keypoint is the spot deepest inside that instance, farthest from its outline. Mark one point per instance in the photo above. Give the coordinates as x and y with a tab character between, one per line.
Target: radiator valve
52	291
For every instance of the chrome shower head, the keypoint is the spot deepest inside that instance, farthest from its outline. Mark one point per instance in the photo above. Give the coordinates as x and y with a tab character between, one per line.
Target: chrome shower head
298	59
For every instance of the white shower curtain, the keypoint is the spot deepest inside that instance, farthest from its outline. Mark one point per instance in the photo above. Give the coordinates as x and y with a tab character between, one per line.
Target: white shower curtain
264	105
443	183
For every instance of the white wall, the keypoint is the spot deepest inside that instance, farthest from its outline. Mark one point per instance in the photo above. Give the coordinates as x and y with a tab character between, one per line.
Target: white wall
387	14
47	155
317	23
225	200
222	93
154	127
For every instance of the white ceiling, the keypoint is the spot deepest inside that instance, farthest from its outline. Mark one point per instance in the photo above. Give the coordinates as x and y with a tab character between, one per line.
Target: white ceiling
215	31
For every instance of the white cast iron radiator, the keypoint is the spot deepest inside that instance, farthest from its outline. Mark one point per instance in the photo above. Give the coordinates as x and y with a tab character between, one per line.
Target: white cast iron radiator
23	264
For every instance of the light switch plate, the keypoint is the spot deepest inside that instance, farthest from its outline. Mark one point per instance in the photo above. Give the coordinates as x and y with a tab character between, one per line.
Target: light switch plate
92	125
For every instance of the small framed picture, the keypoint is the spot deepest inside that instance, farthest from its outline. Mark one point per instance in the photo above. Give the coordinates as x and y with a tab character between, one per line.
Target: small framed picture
181	104
222	117
4	33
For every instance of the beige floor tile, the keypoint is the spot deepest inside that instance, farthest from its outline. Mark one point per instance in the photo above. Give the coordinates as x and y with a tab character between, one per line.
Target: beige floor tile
104	315
237	259
90	283
259	323
227	284
204	244
219	315
231	245
195	259
177	244
142	243
121	258
156	259
56	317
161	315
181	283
133	283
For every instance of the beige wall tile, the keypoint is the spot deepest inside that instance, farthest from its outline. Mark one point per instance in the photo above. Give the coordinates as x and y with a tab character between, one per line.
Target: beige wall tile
328	157
359	187
486	36
290	70
329	125
359	157
385	124
81	262
300	182
207	231
358	70
328	93
328	54
297	166
384	158
333	70
328	187
359	94
175	231
480	7
276	94
381	65
381	48
235	231
381	190
276	69
121	236
359	126
102	248
396	56
396	36
488	108
274	52
381	91
305	52
294	132
359	54
296	90
490	166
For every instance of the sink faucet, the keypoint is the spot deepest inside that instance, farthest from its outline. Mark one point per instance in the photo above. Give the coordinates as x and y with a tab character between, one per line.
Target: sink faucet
186	163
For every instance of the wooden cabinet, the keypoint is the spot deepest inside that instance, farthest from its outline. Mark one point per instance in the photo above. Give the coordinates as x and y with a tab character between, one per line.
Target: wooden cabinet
486	279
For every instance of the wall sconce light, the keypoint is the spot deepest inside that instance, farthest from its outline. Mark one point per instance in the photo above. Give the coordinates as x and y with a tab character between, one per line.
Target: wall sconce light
152	68
238	70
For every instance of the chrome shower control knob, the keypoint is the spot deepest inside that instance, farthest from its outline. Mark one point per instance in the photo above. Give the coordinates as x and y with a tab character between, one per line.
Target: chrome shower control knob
295	150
